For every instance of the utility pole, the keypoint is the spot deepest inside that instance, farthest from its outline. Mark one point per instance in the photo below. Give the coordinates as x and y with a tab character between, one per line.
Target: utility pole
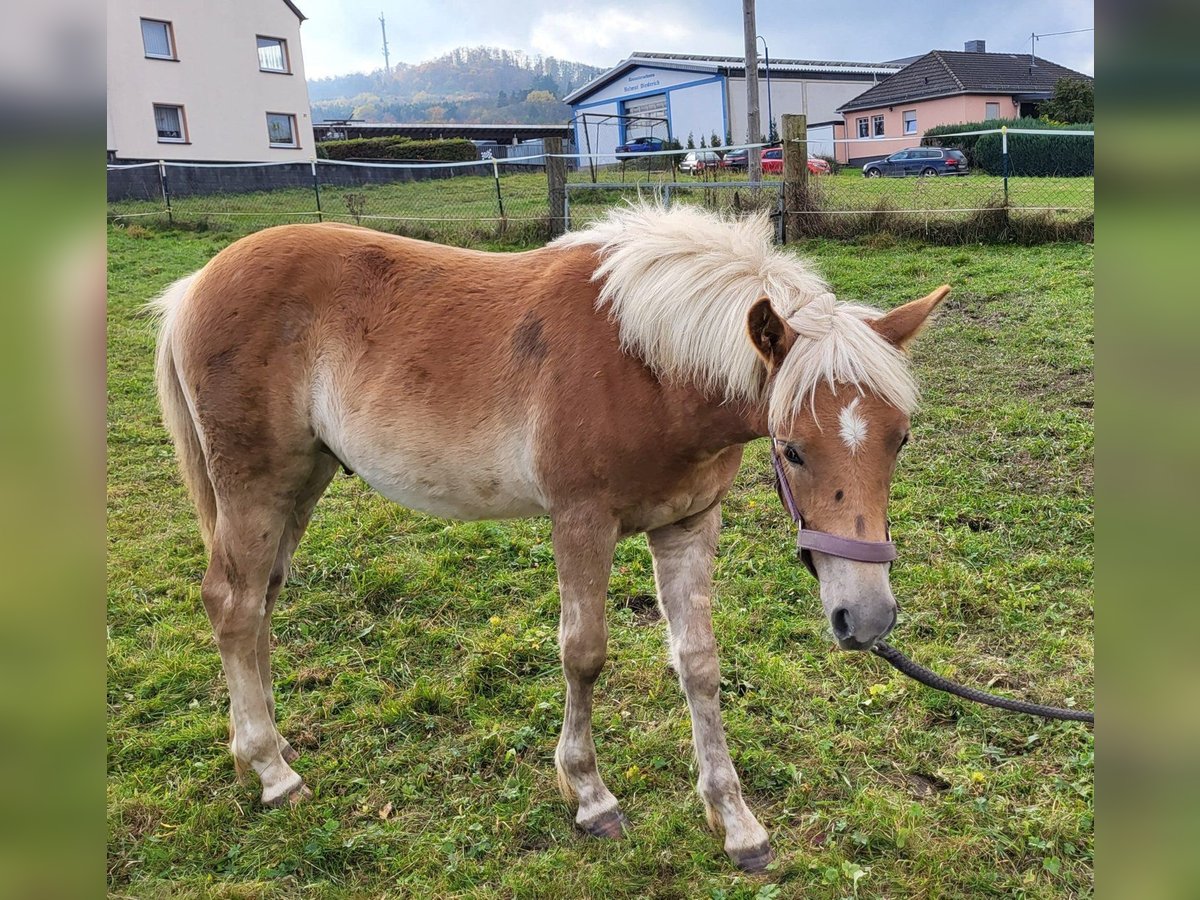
753	125
387	68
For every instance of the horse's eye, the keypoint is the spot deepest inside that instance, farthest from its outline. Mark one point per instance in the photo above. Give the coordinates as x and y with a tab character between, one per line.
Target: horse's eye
793	456
903	441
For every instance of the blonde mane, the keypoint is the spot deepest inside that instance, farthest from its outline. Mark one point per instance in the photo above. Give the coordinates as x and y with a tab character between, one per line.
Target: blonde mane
680	283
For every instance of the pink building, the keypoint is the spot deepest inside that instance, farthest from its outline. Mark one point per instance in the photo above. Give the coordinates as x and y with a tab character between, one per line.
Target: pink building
944	87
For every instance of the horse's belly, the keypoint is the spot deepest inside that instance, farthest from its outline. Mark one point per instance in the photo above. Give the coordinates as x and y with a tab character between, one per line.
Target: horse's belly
467	500
438	482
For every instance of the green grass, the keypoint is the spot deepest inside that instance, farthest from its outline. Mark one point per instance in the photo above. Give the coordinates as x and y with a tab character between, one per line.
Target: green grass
417	671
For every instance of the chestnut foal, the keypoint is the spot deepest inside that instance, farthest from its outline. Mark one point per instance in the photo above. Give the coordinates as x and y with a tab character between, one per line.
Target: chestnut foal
609	380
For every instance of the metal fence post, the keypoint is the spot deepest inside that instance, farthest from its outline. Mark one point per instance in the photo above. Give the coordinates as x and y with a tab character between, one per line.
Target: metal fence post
166	190
556	185
499	198
1004	154
317	190
795	172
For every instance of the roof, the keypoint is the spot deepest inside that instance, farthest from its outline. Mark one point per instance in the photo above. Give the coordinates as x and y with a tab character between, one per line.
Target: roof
294	8
943	73
731	65
424	130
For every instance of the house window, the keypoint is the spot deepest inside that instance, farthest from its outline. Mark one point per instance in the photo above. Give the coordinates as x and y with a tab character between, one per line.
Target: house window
991	111
910	121
877	126
862	128
273	55
157	39
169	122
281	130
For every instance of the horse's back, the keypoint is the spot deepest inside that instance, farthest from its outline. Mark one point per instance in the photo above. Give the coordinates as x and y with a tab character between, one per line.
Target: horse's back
414	363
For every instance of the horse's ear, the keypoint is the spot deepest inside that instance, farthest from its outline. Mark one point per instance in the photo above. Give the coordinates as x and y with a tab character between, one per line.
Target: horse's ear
767	333
901	326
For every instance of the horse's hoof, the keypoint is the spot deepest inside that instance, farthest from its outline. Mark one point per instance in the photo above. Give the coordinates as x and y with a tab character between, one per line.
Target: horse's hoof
289	753
294	797
611	825
753	860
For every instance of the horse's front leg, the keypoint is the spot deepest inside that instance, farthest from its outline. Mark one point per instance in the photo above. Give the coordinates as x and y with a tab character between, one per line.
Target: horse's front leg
583	553
683	562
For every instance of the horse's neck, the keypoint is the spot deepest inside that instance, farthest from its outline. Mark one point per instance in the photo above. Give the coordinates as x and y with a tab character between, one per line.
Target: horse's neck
727	423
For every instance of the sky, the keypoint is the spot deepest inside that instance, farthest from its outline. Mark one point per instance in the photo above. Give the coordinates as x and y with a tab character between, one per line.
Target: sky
342	36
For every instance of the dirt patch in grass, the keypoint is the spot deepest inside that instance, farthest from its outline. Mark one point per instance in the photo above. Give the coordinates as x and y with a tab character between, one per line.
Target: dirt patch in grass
644	608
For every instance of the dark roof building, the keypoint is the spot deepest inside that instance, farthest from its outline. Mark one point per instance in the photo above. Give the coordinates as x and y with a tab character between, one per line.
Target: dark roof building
944	87
946	73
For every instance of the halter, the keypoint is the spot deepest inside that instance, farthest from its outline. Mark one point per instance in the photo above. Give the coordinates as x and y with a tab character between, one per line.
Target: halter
823	541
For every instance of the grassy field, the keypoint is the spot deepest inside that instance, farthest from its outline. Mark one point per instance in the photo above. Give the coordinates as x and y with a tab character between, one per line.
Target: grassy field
417	670
465	209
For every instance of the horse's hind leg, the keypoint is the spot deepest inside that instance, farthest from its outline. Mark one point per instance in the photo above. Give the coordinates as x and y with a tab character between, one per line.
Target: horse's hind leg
323	472
245	546
683	562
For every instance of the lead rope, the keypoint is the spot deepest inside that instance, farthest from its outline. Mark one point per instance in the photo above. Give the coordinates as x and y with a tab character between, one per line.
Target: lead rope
932	679
894	657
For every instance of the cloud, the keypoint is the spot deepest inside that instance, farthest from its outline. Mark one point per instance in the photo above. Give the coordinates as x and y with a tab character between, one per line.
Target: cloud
604	35
343	35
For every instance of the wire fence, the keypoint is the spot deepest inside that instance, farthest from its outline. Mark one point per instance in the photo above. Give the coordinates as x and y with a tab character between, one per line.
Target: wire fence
454	202
514	201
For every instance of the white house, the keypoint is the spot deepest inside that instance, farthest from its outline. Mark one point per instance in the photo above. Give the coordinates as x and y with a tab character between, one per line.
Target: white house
218	81
672	95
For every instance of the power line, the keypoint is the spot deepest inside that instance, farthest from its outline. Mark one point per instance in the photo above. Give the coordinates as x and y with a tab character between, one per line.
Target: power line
1073	31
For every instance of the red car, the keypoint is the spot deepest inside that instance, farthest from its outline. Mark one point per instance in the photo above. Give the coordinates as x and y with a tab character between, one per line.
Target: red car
772	163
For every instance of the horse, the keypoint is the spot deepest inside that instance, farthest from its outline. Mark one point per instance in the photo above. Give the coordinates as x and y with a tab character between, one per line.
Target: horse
609	380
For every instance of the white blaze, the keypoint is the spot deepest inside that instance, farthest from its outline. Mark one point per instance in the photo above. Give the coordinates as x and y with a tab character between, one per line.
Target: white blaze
853	427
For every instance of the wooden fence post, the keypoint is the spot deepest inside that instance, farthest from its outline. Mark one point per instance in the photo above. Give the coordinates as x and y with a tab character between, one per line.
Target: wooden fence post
556	181
795	174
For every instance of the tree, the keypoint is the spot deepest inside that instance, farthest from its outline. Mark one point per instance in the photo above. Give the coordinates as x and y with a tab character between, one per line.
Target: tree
691	144
715	140
1074	101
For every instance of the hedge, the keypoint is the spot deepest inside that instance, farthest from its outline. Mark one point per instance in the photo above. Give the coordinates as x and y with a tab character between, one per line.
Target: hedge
450	150
1028	154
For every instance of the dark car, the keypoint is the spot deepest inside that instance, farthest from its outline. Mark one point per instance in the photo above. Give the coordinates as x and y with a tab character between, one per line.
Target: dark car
736	159
919	161
642	145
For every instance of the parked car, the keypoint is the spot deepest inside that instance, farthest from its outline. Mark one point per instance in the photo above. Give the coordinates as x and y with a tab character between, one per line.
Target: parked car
772	163
919	161
641	145
699	160
736	159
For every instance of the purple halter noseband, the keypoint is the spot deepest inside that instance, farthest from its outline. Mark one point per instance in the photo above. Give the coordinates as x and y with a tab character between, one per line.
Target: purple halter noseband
822	541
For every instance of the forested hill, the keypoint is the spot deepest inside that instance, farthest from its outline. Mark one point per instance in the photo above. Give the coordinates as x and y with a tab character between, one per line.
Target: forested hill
470	84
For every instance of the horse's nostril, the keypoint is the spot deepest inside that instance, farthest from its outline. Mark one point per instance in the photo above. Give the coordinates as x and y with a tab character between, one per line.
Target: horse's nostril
840	620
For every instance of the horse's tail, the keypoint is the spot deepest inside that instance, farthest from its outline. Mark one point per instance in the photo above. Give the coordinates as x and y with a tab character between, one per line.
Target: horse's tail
177	414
